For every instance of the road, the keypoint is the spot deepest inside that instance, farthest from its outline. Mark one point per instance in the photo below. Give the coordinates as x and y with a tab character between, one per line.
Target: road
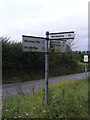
31	86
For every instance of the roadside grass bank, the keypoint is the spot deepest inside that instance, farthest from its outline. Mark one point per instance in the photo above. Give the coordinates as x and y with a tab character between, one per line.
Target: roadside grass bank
66	99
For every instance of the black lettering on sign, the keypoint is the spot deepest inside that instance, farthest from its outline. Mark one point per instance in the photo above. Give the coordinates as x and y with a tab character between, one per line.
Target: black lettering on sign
56	44
57	36
37	41
28	41
31	48
69	35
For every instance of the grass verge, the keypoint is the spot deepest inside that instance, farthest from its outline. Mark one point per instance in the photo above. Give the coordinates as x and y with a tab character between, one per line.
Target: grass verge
67	99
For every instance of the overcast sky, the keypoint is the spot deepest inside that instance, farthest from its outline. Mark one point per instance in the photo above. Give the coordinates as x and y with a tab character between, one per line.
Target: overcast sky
35	17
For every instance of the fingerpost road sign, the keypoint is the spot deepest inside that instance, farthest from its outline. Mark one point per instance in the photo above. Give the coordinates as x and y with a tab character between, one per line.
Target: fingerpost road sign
33	44
56	42
62	35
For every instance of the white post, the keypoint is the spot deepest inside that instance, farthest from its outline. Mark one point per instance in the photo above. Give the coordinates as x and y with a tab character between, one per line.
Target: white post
86	69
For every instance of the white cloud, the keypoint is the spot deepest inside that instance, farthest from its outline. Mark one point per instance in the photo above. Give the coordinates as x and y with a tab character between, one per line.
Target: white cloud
36	16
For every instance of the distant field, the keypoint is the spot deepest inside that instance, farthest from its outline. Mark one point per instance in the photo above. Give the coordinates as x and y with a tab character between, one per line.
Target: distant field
67	99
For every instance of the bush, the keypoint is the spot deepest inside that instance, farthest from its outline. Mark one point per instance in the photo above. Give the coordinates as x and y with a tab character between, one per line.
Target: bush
19	66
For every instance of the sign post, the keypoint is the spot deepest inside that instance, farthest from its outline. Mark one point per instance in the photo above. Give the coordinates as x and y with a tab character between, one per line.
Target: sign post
40	44
59	41
46	69
33	44
86	60
58	46
62	35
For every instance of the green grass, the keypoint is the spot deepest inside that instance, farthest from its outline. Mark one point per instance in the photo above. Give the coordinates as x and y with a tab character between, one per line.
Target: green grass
67	99
82	65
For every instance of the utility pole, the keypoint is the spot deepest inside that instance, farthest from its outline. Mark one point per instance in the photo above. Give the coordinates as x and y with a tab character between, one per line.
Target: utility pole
46	69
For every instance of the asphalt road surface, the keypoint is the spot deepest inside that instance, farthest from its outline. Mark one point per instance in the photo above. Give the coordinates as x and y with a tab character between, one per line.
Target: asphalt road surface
29	87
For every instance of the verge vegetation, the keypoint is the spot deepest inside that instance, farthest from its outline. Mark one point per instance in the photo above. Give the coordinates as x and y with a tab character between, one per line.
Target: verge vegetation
67	99
18	66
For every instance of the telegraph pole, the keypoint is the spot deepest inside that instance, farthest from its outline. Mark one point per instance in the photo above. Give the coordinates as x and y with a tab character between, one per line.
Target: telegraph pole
46	69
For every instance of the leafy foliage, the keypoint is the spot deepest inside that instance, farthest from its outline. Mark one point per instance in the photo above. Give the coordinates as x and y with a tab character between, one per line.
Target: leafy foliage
22	66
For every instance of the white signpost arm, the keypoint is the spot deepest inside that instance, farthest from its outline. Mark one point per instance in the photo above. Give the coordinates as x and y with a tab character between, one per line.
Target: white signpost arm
46	69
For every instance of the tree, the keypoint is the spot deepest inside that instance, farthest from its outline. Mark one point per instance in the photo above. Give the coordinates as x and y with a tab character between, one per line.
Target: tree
71	43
